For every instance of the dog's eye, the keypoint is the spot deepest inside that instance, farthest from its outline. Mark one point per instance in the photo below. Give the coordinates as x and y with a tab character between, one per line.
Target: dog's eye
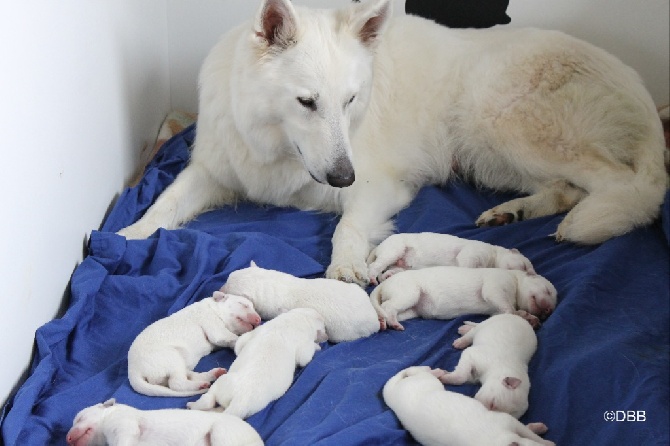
309	103
351	99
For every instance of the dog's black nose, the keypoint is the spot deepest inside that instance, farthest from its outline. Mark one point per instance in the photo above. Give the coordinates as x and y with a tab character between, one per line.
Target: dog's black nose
341	181
342	174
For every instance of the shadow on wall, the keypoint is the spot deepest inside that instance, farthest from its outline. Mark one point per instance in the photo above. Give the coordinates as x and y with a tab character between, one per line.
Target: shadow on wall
461	13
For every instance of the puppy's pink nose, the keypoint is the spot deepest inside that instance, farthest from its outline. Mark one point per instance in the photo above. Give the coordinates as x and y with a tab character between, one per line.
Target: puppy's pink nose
255	320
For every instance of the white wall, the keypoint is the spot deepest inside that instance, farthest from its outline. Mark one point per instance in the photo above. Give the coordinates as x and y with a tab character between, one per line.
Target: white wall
635	31
83	86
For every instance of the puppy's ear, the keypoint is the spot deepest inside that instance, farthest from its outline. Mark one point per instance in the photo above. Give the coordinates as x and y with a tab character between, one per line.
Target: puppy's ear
218	296
109	403
276	24
511	382
368	20
253	264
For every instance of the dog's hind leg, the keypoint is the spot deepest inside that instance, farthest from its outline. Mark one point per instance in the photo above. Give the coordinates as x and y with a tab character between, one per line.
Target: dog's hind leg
553	198
621	197
192	192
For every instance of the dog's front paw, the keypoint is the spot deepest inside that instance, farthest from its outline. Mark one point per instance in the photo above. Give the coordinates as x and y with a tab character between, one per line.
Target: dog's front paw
349	272
137	231
495	218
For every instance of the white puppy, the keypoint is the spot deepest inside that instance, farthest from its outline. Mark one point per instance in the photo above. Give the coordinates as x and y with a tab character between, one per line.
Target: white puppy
435	416
165	353
501	348
345	307
445	292
114	424
413	251
265	364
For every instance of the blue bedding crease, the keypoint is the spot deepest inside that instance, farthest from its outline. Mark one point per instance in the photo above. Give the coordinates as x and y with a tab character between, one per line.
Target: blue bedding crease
603	353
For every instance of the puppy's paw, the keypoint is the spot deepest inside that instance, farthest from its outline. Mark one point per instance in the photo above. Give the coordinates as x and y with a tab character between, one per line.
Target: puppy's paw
354	272
466	327
533	320
448	378
538	428
461	343
217	372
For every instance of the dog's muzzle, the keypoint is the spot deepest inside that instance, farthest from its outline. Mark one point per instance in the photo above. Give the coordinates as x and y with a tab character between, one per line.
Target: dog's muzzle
342	174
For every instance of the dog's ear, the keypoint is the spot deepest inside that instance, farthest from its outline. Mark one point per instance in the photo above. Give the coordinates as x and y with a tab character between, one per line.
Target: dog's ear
276	24
368	20
219	296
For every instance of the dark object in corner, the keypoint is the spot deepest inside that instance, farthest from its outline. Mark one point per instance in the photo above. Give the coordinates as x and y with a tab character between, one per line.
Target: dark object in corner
461	13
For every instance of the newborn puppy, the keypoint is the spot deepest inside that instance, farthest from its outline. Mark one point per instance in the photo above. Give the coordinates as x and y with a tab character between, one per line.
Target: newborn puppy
345	307
114	424
435	416
498	356
400	252
265	364
445	292
165	353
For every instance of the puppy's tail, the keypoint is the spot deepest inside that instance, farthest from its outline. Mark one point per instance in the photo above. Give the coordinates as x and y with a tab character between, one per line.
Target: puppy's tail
376	301
141	385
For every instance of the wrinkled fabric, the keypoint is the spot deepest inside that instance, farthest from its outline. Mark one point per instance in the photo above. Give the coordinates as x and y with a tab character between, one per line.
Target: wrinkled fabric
604	349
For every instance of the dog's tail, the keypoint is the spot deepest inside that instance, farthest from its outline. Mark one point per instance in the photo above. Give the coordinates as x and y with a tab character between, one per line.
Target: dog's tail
141	385
625	205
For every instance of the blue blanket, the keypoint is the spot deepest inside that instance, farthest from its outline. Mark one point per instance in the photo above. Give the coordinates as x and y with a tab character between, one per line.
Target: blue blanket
603	354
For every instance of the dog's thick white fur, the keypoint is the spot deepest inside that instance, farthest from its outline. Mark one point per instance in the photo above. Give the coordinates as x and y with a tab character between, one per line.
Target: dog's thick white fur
446	292
115	424
400	252
162	357
297	104
265	364
345	307
437	417
497	352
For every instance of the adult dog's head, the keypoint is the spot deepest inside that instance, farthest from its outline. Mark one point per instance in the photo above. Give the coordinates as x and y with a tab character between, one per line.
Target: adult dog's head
304	83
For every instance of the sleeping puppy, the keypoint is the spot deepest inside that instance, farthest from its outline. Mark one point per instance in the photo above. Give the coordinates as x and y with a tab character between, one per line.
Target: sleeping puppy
265	364
162	357
445	292
436	417
497	355
345	307
413	251
114	424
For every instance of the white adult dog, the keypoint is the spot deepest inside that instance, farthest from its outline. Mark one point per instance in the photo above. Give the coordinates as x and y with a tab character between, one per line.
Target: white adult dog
298	103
